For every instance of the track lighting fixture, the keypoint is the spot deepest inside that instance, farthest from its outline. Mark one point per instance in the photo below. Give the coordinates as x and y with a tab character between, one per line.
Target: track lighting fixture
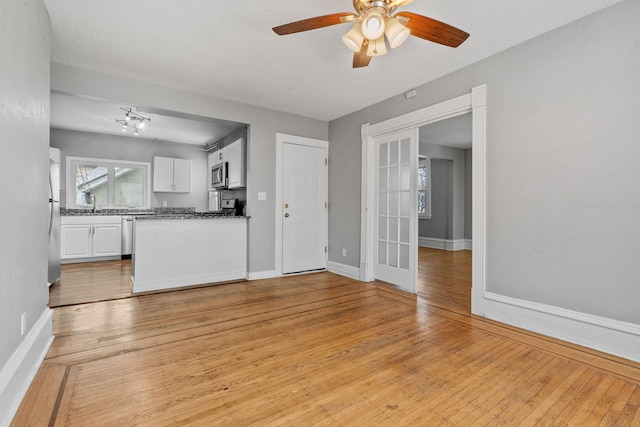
132	120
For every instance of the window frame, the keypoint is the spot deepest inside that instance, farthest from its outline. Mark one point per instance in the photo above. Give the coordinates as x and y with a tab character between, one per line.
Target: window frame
110	164
424	162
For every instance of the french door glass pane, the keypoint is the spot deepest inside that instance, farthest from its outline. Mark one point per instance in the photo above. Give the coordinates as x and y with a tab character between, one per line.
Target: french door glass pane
393	254
382	172
405	147
394	156
404	257
393	204
393	178
382	227
393	229
383	157
382	253
405	203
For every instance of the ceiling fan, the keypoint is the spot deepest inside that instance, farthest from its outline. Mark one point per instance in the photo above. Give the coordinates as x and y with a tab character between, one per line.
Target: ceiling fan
374	20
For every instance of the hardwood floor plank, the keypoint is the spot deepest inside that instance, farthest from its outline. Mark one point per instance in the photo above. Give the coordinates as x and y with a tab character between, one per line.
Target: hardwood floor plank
318	349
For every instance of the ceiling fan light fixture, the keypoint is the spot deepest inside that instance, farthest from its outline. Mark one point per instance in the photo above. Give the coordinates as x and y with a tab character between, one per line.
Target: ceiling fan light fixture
373	24
377	47
354	38
396	33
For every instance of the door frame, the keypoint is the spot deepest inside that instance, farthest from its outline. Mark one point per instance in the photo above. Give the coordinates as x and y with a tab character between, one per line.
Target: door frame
282	139
474	102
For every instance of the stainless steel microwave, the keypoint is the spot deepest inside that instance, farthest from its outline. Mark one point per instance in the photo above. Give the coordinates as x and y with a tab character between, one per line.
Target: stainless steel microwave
218	176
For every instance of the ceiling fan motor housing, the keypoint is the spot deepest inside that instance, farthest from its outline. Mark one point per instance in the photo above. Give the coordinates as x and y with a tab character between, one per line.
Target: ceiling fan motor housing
361	6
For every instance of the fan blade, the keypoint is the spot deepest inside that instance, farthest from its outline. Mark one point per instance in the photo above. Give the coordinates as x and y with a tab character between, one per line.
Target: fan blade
361	59
432	30
312	23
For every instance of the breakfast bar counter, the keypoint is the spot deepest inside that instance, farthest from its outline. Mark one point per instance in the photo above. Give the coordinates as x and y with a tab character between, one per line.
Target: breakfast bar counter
187	250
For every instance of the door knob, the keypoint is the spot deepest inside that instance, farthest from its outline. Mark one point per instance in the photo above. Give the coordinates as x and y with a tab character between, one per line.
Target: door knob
286	215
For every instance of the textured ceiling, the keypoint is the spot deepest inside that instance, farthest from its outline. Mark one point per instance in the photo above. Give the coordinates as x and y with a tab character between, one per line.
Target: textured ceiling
227	49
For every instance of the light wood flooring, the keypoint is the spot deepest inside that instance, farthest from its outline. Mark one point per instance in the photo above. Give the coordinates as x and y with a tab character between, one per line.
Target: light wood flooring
91	282
316	349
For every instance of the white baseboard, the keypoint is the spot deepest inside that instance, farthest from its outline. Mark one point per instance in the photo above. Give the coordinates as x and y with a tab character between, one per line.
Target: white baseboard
18	373
599	333
444	244
468	244
261	275
344	270
155	284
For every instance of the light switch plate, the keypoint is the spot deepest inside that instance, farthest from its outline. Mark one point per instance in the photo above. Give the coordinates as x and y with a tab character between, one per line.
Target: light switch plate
262	195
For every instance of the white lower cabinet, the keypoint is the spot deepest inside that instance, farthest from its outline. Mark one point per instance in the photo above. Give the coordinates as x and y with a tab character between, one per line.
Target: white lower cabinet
90	236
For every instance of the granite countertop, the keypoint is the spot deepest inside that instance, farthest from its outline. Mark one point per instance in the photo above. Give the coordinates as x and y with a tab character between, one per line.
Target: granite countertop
133	212
194	215
153	213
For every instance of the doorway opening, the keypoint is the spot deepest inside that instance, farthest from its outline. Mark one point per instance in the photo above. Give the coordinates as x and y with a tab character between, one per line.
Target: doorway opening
445	224
475	103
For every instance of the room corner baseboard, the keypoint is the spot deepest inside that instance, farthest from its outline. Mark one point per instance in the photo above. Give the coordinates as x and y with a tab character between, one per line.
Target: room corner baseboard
599	333
444	244
18	373
344	270
270	274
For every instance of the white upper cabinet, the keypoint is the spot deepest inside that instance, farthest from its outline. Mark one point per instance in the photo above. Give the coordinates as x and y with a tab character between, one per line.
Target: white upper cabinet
171	175
235	155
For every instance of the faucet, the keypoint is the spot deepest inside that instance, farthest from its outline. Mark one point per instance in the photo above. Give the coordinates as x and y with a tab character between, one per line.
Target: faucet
93	202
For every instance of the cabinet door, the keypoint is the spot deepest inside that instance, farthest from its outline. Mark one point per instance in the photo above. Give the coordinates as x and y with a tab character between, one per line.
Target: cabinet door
162	174
75	241
182	175
107	239
214	158
236	158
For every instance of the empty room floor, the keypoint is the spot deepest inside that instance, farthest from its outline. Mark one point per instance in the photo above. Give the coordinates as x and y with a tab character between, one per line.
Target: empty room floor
316	349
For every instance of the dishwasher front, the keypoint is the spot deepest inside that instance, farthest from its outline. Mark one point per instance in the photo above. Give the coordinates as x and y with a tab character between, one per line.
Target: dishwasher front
127	236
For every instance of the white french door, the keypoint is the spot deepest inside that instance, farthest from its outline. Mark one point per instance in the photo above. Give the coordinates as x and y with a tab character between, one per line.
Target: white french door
304	208
395	216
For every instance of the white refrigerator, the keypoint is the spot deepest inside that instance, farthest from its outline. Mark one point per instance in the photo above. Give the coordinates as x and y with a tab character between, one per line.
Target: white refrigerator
54	216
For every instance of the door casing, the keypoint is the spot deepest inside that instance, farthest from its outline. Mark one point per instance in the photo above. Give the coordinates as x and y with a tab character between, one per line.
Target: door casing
474	102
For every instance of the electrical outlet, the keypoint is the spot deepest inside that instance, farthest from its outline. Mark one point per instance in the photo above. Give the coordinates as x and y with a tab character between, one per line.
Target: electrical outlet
344	252
23	323
164	203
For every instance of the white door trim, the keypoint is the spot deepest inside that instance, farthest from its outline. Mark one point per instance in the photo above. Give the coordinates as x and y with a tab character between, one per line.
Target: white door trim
474	102
282	139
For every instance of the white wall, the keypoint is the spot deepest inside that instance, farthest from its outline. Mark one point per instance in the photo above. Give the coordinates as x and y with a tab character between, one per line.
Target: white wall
563	202
24	166
263	126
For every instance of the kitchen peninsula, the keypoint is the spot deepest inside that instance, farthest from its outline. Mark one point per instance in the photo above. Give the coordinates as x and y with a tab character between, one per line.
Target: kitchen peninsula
173	251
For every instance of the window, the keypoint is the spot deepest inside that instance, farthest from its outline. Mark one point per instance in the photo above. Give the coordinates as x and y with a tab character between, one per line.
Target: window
115	184
424	188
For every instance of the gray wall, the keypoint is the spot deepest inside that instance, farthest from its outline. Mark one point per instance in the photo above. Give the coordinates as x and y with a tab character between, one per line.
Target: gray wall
261	151
562	164
86	144
440	225
24	166
468	201
456	155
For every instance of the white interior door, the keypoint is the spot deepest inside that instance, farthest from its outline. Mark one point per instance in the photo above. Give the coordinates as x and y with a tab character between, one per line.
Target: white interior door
396	217
304	209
